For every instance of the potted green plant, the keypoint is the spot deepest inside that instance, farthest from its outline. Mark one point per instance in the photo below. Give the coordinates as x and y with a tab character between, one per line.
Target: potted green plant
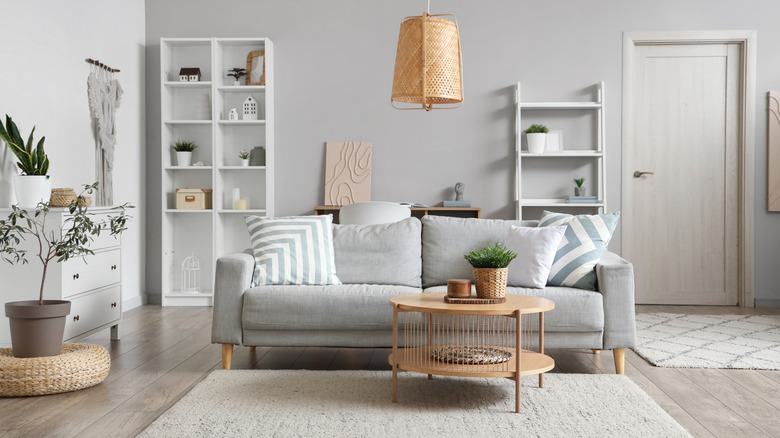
184	150
37	326
237	73
33	185
579	190
490	269
243	154
537	138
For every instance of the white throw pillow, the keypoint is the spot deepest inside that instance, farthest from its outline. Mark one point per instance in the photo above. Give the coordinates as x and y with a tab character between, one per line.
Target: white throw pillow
535	248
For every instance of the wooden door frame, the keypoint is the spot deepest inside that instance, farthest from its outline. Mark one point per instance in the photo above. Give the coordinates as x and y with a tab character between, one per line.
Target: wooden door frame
746	39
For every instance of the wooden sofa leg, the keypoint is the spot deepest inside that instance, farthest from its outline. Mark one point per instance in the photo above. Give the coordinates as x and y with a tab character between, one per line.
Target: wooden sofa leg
596	351
620	360
227	356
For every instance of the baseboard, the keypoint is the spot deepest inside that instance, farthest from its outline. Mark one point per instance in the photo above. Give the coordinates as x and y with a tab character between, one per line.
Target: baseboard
132	303
764	302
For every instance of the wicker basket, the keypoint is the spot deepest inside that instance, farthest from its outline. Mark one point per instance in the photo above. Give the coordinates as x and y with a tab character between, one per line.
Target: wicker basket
66	197
490	282
78	366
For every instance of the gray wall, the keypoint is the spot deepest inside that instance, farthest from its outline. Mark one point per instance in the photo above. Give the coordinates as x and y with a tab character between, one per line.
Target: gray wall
334	67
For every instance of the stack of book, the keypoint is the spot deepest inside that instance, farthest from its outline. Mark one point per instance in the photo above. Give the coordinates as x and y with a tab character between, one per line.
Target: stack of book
582	199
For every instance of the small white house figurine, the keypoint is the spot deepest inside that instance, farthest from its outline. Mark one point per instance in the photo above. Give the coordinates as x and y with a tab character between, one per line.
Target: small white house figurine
189	74
233	114
250	108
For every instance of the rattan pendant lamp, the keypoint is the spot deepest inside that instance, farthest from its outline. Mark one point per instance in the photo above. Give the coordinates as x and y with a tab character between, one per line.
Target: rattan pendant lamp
428	65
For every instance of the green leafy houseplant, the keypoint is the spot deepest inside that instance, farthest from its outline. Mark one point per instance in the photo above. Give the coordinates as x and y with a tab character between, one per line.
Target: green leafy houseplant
497	256
184	146
579	181
237	72
32	161
67	241
537	129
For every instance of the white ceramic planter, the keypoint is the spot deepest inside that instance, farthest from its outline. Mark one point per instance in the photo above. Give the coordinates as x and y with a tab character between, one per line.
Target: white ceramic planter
183	158
32	189
536	143
245	162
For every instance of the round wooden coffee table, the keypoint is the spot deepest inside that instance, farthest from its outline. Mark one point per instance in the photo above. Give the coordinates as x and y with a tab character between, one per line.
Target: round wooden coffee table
469	340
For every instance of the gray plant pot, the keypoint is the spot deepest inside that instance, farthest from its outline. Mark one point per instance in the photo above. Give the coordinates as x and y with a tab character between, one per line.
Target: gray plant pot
580	191
36	330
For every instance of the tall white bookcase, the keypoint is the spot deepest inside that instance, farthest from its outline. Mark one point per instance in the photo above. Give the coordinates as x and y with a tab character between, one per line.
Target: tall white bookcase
198	111
544	180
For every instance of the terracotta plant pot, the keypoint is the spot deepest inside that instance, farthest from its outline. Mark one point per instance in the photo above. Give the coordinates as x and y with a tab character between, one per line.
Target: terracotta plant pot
36	330
490	282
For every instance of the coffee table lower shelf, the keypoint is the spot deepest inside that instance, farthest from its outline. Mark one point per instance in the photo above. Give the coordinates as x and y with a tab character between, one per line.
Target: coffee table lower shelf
419	360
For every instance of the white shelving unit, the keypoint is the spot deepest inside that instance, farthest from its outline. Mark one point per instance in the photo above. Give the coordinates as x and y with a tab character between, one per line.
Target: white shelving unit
209	234
587	152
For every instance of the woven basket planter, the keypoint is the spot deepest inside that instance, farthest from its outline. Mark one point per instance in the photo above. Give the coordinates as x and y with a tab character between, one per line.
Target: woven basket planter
490	282
78	366
66	197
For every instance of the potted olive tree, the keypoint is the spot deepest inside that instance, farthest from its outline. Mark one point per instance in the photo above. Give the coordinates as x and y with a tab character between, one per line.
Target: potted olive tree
37	326
33	185
537	138
490	269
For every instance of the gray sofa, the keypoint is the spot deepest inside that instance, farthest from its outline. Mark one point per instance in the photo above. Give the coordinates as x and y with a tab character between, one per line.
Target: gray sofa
376	262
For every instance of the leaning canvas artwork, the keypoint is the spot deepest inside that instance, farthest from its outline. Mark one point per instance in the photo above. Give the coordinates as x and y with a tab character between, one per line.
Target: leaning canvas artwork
347	172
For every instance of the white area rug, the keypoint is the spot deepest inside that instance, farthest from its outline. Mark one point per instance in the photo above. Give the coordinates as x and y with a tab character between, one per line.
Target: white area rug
709	341
284	403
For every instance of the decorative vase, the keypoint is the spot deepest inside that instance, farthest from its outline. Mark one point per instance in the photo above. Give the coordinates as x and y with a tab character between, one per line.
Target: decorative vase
536	143
236	83
183	158
579	191
490	282
36	330
245	162
257	156
32	189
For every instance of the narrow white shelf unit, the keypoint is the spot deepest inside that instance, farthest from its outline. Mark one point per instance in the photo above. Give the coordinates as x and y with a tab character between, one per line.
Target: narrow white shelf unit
198	111
589	155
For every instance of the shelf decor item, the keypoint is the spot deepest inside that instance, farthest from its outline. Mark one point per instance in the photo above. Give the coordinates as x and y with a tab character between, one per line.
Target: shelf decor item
193	199
537	138
189	74
257	156
237	73
190	275
579	190
250	108
37	326
428	64
243	154
233	114
33	186
255	66
490	269
184	149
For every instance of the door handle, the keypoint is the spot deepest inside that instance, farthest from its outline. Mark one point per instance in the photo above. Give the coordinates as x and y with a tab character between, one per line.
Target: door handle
638	174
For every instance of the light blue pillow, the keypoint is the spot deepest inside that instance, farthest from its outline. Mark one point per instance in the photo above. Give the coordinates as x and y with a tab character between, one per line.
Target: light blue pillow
581	248
292	250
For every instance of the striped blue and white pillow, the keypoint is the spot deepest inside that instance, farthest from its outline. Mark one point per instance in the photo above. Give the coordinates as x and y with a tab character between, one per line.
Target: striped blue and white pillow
293	250
581	248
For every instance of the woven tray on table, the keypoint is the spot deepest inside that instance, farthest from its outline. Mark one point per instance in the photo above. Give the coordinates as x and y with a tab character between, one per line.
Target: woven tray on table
78	366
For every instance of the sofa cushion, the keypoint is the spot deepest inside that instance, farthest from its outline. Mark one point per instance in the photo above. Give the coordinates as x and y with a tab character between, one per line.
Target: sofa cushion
576	310
581	248
343	307
379	254
535	248
292	250
445	240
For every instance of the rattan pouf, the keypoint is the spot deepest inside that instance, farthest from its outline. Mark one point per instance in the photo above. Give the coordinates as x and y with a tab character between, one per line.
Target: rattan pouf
78	366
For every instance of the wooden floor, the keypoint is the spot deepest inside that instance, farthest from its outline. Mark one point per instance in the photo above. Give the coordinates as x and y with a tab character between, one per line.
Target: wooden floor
166	351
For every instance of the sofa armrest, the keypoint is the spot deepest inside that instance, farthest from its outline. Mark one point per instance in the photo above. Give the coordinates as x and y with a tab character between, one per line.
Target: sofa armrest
616	284
233	277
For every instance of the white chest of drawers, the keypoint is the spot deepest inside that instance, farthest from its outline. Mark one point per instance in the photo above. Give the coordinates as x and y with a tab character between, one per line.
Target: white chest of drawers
92	284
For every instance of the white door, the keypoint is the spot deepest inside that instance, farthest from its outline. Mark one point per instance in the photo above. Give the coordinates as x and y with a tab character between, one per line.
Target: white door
680	173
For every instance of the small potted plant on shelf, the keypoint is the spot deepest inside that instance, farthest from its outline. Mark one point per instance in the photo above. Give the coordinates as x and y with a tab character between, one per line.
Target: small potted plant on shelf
33	185
244	155
490	269
37	326
537	138
184	150
579	190
237	73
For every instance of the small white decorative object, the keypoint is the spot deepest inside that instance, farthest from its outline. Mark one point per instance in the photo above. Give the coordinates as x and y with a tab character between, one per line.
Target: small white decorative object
236	196
203	107
190	275
233	114
243	154
250	108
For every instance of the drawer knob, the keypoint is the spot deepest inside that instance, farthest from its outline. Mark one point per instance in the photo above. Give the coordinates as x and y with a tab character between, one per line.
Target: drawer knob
113	304
113	267
75	276
76	318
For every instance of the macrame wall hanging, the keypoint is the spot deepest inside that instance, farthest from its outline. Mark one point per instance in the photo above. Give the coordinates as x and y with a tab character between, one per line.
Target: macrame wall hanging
104	93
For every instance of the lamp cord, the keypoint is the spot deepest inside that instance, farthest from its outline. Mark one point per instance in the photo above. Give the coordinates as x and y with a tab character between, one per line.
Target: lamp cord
429	6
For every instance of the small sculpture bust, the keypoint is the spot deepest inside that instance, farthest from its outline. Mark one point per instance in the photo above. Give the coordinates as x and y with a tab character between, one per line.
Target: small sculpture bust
459	188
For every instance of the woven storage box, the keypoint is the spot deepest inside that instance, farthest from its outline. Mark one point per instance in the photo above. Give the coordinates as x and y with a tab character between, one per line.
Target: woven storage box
490	282
193	199
65	197
78	366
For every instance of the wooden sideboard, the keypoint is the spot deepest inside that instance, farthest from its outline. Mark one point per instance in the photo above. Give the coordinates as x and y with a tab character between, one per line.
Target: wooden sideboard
418	212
